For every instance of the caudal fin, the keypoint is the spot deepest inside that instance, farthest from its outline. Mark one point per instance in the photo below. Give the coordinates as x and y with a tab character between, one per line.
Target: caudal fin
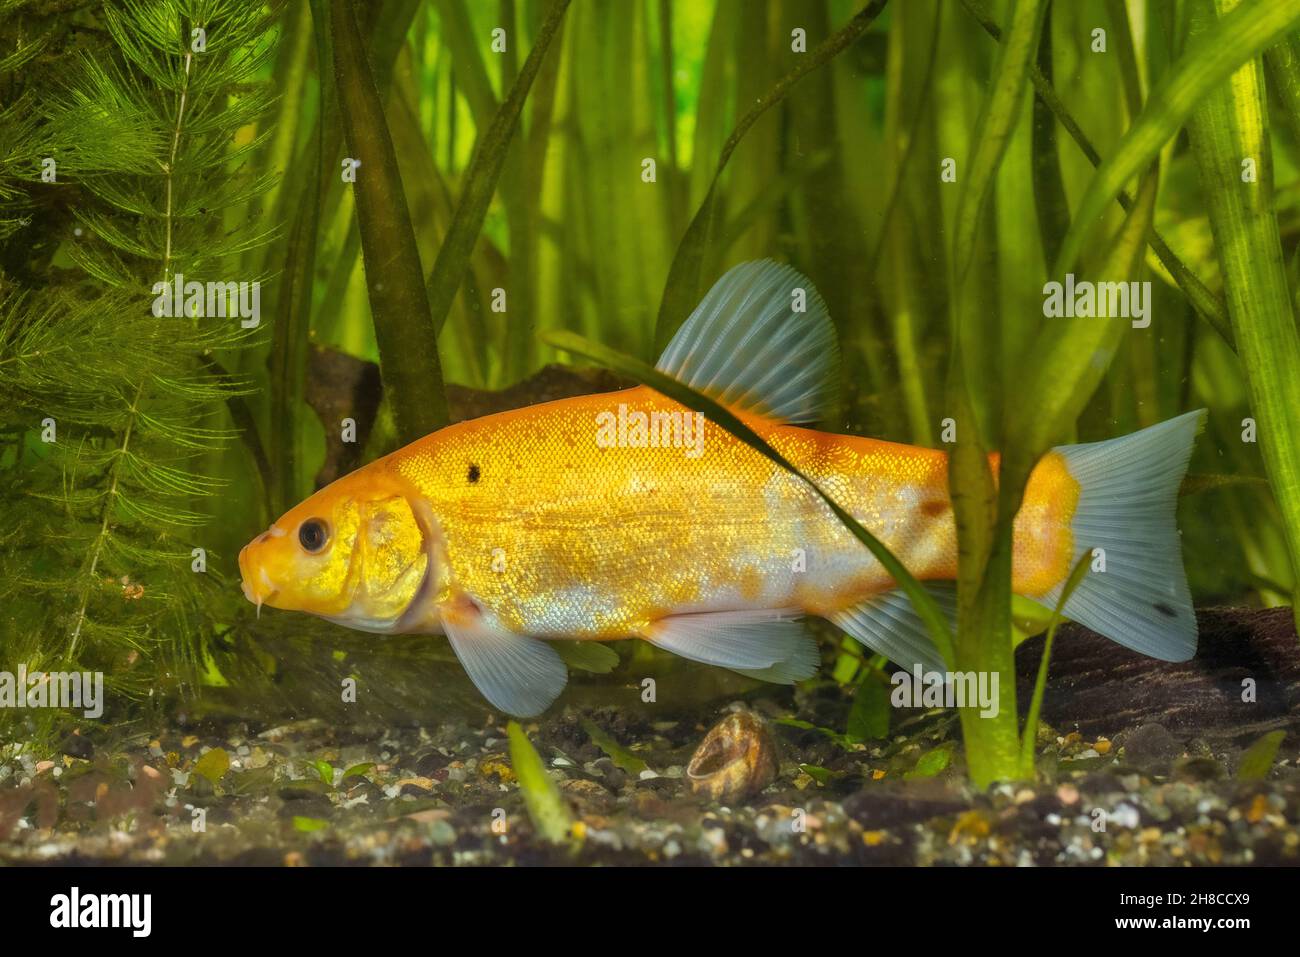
1127	500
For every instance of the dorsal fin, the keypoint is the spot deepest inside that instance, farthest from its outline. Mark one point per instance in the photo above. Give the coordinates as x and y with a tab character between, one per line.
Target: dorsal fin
746	346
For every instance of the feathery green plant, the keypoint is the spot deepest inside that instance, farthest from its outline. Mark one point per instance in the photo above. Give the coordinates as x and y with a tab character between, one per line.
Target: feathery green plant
111	409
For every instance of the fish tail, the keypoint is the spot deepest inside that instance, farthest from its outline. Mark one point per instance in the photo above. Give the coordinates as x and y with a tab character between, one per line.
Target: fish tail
1136	591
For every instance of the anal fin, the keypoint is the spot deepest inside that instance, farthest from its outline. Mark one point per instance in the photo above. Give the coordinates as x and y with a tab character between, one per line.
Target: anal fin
889	625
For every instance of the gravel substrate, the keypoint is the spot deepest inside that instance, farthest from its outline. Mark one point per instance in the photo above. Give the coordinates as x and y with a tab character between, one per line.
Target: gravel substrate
448	795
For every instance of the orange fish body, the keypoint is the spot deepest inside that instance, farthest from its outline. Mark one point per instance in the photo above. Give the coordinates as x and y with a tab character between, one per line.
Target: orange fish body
626	514
565	537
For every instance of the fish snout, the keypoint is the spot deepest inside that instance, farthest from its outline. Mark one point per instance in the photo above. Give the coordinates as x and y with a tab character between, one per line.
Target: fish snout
257	584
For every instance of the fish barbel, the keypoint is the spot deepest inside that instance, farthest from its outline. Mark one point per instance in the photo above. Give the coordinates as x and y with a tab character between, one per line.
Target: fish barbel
628	515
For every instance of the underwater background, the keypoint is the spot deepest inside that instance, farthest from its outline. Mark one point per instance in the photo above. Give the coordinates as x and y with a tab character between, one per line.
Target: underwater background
413	200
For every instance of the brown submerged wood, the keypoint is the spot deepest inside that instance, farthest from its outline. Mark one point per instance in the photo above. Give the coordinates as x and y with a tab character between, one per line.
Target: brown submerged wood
1097	687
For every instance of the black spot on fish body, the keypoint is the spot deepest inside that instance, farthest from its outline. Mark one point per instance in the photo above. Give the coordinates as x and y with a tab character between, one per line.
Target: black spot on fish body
1165	609
473	474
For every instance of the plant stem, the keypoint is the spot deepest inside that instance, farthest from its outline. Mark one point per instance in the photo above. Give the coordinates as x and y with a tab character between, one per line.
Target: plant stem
1030	737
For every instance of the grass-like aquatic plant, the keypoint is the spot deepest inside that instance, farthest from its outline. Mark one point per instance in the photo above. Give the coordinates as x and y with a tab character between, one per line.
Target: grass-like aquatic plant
1058	384
404	328
1229	132
550	815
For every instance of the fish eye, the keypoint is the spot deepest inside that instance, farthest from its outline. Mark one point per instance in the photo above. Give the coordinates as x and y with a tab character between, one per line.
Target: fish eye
313	534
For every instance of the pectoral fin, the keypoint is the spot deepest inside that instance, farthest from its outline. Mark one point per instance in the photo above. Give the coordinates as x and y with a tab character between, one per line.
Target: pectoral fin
519	675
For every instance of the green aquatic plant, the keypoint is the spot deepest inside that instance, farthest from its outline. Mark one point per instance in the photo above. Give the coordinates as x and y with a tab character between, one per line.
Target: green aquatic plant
1059	385
110	411
399	307
490	154
984	506
1229	132
1029	736
550	815
213	765
929	165
1257	760
621	756
686	281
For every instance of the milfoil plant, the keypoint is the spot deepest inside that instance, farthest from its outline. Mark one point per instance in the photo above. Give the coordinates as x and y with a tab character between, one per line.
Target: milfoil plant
126	158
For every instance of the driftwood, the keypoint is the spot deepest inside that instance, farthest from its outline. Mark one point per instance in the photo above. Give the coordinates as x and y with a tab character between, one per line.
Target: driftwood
1101	688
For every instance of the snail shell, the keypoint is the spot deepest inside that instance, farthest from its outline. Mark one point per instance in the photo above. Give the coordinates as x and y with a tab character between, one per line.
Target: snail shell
737	758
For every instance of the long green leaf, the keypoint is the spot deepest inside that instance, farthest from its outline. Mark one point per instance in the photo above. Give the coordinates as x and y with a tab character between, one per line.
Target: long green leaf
984	566
1030	736
1049	188
683	287
994	128
1207	305
546	807
1257	760
1056	384
404	330
289	337
620	755
467	60
723	417
481	180
905	268
971	480
1229	128
1207	62
1284	67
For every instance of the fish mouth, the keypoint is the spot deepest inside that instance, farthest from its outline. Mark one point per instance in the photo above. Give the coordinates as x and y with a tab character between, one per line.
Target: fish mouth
258	589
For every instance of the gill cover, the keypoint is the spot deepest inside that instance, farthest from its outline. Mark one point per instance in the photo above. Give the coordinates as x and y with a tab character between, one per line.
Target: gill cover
389	564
